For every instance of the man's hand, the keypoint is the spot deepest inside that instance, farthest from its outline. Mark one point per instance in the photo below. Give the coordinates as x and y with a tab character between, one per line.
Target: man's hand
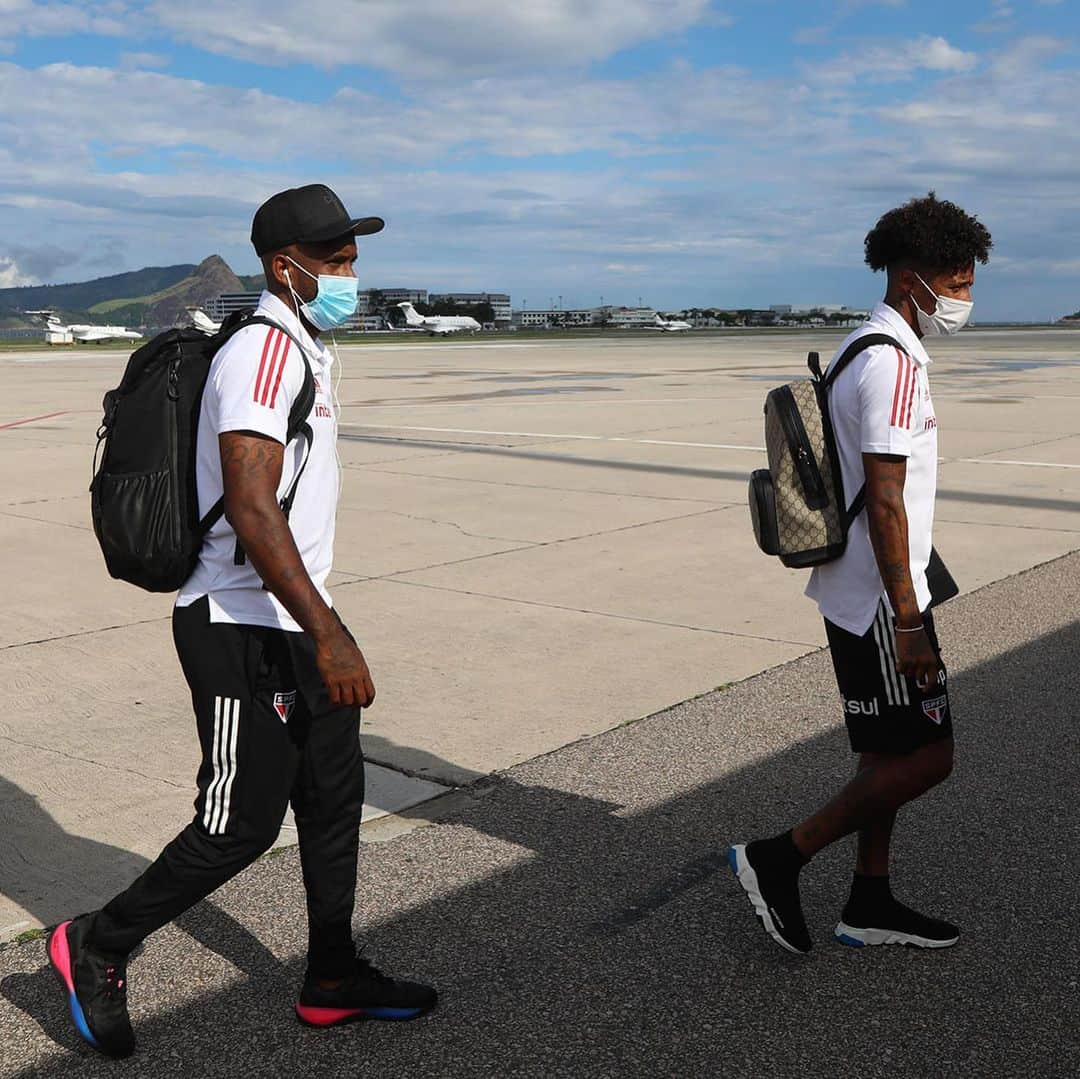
344	670
915	658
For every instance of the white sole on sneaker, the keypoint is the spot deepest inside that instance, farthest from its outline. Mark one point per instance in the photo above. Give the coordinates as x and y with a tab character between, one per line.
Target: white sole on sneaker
861	938
744	872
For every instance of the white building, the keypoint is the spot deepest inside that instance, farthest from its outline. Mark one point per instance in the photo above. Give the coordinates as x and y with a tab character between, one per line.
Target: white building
632	318
500	302
371	299
556	318
223	305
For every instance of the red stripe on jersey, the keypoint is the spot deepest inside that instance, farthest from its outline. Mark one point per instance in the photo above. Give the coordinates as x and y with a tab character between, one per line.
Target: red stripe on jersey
265	395
280	370
262	364
900	391
911	396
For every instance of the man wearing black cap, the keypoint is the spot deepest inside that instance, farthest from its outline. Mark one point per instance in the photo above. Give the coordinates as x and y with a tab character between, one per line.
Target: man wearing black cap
277	681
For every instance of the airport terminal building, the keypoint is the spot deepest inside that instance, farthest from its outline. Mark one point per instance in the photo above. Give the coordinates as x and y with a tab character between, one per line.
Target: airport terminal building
500	303
608	315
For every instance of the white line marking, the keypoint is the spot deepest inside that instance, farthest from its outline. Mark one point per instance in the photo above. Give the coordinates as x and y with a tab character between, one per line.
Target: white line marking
532	402
662	442
559	438
1025	464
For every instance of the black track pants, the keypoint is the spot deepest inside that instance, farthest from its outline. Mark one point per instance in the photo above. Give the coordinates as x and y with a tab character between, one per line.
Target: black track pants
269	735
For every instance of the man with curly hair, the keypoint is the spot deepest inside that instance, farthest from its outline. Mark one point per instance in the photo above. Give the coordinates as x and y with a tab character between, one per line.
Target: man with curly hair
876	599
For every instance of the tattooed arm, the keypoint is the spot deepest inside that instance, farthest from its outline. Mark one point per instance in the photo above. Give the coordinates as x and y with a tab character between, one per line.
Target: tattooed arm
251	467
887	519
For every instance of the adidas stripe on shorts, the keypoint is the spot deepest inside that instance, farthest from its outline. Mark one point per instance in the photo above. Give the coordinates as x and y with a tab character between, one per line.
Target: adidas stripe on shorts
885	711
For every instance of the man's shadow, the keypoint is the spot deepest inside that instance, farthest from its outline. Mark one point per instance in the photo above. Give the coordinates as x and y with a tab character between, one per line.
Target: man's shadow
44	868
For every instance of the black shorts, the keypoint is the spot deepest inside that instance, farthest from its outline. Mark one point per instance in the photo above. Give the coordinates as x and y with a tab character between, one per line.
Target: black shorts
885	711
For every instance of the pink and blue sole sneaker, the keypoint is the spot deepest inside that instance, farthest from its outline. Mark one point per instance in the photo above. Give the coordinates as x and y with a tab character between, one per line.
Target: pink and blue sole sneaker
313	1016
60	959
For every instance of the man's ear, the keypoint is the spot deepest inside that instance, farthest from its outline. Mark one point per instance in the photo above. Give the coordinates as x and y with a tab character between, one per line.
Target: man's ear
906	279
280	270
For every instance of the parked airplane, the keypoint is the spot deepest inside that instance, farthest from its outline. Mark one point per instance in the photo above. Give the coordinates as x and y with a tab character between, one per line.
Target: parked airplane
202	321
56	333
437	324
671	325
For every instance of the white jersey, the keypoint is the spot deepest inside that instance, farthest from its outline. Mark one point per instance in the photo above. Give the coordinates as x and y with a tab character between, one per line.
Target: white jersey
880	403
252	384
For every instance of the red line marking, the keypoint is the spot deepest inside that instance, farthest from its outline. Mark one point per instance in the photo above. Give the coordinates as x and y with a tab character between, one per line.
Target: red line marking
32	419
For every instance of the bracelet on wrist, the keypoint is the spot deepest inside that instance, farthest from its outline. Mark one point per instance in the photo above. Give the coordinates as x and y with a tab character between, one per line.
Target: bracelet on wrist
910	629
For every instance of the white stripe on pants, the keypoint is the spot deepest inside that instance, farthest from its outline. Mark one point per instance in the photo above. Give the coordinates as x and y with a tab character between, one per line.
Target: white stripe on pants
226	730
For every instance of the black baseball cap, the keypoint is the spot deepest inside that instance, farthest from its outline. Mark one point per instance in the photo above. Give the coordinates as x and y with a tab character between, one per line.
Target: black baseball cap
308	214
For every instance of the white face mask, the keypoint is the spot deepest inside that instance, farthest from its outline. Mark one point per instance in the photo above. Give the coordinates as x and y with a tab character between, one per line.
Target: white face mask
948	317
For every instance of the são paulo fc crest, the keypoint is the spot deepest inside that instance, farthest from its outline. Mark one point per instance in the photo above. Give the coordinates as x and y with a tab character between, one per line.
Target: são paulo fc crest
283	705
935	709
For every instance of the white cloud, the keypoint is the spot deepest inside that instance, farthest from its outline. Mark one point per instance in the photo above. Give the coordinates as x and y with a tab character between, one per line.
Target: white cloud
11	276
896	61
427	38
36	18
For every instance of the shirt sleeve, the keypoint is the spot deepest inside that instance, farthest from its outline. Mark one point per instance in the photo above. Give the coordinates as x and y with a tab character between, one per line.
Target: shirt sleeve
886	395
256	377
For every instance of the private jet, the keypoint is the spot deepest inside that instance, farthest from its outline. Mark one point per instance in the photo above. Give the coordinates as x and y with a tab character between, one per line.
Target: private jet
437	324
671	325
56	333
202	321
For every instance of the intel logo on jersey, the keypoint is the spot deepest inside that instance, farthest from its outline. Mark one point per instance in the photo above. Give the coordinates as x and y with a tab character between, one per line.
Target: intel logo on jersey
862	708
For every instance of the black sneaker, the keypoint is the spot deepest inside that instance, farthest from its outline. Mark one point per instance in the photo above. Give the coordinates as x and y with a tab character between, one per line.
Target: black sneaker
774	893
96	986
365	994
893	923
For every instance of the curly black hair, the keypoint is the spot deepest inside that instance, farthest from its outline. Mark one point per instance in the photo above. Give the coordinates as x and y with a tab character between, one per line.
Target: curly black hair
928	232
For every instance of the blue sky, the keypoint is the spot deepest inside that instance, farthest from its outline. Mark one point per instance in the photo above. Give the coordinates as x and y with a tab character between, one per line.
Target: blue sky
686	152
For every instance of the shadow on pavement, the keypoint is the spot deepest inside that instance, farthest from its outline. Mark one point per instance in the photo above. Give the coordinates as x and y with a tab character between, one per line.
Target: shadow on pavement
579	921
38	858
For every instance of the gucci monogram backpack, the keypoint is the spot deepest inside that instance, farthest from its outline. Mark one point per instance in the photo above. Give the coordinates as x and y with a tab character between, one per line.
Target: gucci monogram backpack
797	504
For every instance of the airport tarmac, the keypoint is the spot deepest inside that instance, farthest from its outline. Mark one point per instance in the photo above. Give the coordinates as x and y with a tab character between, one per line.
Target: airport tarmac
538	541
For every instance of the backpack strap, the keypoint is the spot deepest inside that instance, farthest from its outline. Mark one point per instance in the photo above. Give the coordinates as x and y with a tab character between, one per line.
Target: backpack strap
297	423
860	344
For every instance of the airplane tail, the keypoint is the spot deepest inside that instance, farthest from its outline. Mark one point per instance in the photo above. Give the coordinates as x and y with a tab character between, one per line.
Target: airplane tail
202	320
411	317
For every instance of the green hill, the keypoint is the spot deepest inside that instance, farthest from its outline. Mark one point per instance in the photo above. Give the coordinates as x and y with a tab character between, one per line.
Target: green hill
162	308
156	296
81	297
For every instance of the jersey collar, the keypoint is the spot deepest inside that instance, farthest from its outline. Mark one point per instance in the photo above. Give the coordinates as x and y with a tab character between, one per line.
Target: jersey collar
284	315
886	316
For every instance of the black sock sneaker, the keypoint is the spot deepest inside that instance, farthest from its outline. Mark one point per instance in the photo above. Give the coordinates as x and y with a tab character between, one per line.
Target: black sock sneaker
96	985
874	916
366	993
768	870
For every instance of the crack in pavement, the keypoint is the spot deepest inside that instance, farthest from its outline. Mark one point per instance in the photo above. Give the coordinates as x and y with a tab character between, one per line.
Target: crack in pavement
111	766
454	524
542	486
359	578
84	633
608	614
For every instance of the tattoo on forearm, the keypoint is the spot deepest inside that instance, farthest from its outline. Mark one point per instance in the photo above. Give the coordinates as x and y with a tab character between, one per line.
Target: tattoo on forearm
894	572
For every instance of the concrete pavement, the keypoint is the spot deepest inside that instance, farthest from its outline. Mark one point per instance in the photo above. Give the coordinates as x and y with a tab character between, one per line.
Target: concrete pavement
538	541
579	920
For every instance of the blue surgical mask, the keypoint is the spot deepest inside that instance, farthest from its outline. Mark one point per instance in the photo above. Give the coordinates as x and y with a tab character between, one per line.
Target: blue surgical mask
334	302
